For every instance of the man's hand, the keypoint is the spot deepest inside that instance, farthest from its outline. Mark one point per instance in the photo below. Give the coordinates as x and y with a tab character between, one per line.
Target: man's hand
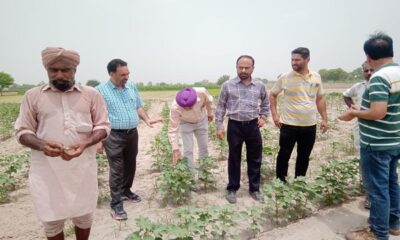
150	122
355	107
277	121
210	117
100	148
52	149
261	122
346	116
324	126
73	151
176	155
220	134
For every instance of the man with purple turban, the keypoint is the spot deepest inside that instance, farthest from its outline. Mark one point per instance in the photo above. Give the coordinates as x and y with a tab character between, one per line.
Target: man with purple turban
190	112
61	122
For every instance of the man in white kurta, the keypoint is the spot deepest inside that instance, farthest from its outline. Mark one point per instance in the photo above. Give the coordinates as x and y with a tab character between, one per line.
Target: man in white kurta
61	122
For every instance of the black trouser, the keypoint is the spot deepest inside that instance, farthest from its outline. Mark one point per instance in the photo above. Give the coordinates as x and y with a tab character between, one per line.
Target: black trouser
305	139
121	149
248	132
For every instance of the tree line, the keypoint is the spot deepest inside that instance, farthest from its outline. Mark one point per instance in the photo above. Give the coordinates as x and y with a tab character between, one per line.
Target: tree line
7	82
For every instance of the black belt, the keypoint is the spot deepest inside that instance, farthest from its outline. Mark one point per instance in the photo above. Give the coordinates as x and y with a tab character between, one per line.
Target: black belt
127	131
255	120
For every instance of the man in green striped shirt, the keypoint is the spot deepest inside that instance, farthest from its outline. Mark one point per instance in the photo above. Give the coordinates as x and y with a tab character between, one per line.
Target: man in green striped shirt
379	119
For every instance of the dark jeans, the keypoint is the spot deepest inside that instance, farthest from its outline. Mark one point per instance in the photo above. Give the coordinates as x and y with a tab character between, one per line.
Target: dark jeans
305	139
121	148
249	133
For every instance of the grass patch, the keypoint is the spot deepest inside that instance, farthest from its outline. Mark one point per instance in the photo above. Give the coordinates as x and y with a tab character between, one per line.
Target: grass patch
11	99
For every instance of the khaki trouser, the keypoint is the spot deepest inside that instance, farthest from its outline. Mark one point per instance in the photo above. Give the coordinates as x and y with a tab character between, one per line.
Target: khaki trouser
200	131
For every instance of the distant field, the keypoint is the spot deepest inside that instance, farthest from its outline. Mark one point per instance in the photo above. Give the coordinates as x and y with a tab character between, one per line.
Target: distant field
11	99
169	94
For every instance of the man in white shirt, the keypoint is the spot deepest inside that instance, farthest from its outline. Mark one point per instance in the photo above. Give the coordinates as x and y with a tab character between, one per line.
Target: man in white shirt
356	91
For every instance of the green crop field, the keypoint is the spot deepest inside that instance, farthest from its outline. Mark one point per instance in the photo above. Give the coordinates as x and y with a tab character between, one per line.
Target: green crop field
11	99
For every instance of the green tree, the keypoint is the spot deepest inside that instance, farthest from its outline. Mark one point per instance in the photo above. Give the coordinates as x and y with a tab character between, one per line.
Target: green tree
222	79
5	81
336	74
92	83
356	74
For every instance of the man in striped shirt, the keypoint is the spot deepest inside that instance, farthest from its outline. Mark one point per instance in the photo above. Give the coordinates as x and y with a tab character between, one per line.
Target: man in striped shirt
303	96
245	101
379	118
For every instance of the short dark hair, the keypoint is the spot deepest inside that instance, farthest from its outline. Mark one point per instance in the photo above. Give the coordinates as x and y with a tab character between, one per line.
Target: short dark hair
245	56
304	52
379	45
114	64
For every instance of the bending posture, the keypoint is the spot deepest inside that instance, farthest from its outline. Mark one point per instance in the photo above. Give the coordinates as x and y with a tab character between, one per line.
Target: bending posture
190	112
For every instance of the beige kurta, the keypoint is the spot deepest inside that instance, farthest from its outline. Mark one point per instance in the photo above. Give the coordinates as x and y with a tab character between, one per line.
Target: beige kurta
63	189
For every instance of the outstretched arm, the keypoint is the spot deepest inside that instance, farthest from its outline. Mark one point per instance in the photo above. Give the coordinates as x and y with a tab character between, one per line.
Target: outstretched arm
143	115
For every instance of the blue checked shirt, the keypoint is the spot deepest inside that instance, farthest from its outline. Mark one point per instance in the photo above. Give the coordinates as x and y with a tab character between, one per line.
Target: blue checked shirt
241	102
122	104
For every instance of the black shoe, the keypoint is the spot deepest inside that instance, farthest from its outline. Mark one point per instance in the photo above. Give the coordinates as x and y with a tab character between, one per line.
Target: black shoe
257	196
231	197
132	197
118	213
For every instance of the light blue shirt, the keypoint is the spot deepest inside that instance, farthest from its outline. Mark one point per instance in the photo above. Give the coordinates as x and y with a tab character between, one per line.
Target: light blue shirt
122	104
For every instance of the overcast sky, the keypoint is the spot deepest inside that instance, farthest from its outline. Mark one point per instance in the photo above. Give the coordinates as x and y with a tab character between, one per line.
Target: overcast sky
186	40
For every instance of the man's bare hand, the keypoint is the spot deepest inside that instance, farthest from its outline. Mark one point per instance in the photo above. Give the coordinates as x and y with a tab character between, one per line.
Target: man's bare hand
73	151
277	121
100	148
52	149
261	122
150	122
176	155
346	116
220	134
324	126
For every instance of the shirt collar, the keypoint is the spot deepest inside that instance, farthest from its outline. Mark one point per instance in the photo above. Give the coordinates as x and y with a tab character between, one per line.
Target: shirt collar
237	81
385	65
309	74
48	86
112	85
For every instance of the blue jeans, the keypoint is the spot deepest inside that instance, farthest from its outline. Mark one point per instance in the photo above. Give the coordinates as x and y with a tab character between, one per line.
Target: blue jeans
379	172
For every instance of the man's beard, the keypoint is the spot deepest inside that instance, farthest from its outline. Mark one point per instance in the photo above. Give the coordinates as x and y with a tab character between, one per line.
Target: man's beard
244	76
63	84
297	68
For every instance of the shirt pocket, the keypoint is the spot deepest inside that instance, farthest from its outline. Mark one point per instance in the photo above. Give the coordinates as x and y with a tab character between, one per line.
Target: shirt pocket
83	122
254	99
